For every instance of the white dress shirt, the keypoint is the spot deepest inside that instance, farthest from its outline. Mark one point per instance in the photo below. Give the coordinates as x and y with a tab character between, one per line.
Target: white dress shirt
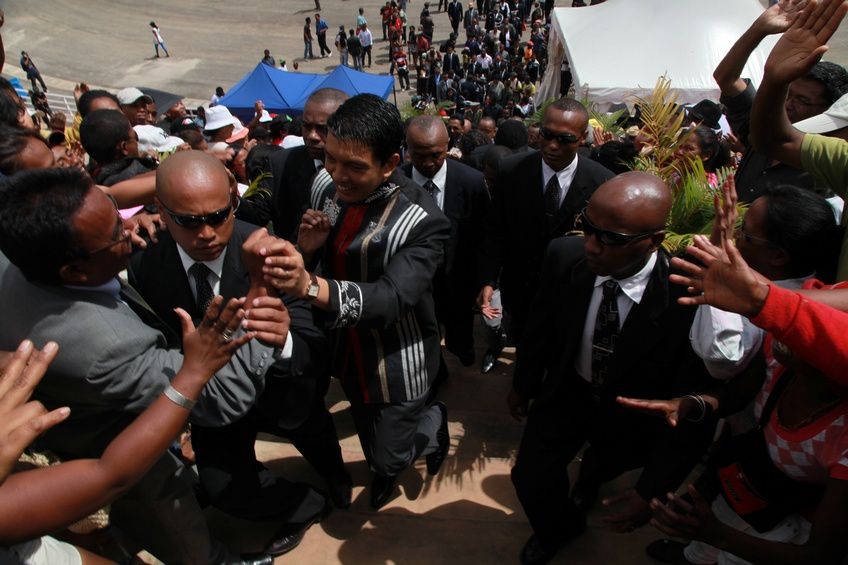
727	341
216	268
565	176
440	180
632	291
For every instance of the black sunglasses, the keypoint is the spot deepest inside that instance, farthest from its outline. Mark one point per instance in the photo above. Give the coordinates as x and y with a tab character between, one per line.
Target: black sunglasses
190	221
606	237
561	138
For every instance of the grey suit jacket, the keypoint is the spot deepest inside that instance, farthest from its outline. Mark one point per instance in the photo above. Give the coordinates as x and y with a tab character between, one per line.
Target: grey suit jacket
111	365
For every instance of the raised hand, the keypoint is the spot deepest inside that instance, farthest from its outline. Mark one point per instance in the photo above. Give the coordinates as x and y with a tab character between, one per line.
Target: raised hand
804	42
313	231
21	421
725	280
778	18
209	346
726	214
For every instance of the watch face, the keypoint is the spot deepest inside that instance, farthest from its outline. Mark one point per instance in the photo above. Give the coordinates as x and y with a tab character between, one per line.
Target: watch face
312	291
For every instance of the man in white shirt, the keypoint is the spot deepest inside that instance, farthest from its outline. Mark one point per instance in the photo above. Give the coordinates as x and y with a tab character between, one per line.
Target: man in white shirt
460	192
367	41
200	256
605	323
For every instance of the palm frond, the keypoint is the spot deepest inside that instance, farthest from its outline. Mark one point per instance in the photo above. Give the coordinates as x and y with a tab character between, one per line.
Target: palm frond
258	187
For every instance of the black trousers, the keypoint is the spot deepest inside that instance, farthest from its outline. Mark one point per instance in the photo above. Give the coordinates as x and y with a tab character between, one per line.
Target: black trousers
238	484
556	430
322	44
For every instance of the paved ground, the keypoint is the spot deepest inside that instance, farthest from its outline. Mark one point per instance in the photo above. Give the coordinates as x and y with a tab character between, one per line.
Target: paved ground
466	514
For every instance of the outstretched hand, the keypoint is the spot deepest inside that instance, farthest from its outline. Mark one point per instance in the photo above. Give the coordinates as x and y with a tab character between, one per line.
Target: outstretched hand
725	280
778	17
668	409
209	346
21	421
805	40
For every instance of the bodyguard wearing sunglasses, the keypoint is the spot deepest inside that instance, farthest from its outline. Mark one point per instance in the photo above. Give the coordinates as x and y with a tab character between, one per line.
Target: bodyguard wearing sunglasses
200	255
604	322
535	199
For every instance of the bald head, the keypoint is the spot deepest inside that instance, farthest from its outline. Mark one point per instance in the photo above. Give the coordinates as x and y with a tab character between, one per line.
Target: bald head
624	223
427	140
190	171
429	128
635	201
328	96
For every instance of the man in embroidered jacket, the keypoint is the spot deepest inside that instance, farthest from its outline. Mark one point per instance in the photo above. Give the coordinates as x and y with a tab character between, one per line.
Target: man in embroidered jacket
378	238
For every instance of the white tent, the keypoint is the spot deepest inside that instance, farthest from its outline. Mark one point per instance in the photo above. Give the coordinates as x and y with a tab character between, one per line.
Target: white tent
618	49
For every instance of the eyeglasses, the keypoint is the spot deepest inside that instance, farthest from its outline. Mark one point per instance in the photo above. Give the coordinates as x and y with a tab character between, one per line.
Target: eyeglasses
123	235
561	138
740	233
191	221
606	237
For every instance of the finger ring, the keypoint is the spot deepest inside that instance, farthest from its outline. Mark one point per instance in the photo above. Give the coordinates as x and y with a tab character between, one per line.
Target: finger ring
227	334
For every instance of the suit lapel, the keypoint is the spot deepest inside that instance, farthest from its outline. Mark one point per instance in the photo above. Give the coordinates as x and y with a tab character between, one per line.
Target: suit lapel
234	277
572	204
172	266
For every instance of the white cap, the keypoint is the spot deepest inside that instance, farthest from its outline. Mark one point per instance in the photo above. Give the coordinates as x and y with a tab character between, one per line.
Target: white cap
130	95
152	137
834	118
218	117
265	117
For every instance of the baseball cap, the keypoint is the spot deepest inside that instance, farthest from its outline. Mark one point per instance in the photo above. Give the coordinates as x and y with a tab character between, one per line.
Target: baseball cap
131	95
834	118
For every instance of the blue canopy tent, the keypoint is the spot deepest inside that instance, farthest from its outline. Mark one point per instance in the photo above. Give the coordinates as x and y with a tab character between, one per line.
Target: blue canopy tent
287	92
279	91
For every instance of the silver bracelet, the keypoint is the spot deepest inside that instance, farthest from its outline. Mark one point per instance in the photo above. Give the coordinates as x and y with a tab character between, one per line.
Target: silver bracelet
702	403
179	398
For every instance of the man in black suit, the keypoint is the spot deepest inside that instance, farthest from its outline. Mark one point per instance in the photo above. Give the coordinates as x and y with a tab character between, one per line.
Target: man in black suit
200	256
286	195
460	192
605	323
536	198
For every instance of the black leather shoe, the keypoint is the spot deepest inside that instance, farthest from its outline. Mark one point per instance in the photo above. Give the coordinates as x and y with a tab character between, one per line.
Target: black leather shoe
534	554
340	490
382	489
435	459
286	543
257	559
489	360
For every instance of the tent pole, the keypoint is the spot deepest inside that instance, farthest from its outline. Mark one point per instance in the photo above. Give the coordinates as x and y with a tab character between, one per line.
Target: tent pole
394	92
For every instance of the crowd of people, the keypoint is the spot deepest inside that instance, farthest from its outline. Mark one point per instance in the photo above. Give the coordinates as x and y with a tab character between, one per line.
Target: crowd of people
173	285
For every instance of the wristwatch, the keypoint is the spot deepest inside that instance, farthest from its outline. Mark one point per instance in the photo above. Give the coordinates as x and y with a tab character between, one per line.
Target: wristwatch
312	289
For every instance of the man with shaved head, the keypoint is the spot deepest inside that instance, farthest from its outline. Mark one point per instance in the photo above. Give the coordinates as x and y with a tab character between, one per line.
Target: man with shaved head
460	192
294	171
200	255
605	323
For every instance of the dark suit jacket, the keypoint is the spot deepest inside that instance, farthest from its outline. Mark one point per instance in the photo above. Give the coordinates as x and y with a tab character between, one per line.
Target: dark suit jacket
287	195
158	275
653	358
517	230
466	204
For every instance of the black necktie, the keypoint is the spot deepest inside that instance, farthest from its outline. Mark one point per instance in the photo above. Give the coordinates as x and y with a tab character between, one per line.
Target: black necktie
606	333
552	196
200	274
431	189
